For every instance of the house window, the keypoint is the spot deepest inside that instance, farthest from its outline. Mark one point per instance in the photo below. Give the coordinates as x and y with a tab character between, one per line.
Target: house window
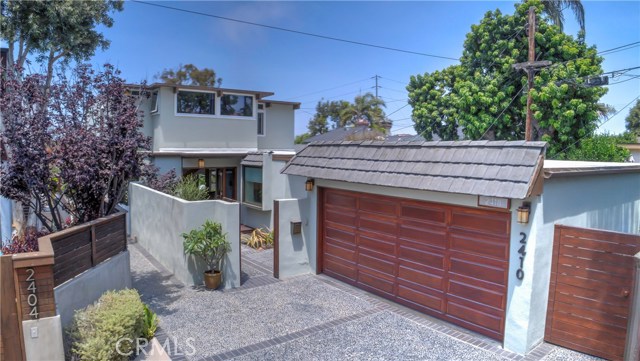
260	119
220	182
190	102
236	105
252	185
154	101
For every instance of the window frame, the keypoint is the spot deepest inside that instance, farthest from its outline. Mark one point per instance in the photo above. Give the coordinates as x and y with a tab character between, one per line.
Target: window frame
244	187
215	101
264	120
157	95
253	106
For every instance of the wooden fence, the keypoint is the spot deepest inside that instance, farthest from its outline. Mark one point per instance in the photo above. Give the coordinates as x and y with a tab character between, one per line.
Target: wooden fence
27	280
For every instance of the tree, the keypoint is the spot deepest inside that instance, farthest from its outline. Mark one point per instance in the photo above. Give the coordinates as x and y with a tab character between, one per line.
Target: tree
554	10
599	148
301	138
364	107
190	75
633	120
73	150
54	30
486	97
327	111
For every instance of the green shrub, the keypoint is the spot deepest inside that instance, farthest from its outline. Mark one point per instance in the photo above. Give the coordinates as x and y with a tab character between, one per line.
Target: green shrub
150	323
209	243
189	189
117	315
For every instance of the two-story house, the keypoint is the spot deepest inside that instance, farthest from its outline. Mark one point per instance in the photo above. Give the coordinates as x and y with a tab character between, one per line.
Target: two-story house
208	131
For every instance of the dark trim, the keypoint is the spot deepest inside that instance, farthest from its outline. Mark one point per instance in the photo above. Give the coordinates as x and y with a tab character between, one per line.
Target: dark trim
282	157
276	238
319	228
571	172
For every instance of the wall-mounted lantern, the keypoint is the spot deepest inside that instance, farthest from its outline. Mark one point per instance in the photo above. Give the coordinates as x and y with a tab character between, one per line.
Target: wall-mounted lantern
523	213
200	163
308	185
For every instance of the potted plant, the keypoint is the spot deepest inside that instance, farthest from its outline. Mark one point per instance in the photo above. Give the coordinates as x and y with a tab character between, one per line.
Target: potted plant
209	243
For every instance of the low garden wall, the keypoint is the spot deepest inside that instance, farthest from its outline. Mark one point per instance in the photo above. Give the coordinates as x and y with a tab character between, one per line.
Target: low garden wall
292	245
158	220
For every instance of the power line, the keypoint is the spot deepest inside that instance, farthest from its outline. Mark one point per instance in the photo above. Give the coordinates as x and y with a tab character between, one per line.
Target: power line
295	31
332	88
626	46
626	80
399	109
603	123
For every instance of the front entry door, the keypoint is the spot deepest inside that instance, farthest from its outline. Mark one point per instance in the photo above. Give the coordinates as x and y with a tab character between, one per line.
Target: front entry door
225	183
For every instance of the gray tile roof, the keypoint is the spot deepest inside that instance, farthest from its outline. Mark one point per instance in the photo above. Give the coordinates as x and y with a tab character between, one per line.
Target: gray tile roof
253	159
488	168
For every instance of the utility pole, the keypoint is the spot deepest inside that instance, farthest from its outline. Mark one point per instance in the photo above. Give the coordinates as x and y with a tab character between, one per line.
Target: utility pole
376	77
530	66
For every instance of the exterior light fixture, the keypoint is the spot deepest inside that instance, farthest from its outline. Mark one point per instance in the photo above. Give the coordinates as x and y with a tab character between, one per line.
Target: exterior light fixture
308	185
200	163
523	213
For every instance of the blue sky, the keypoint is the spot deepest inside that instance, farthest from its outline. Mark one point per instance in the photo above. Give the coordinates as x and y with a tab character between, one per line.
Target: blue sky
146	39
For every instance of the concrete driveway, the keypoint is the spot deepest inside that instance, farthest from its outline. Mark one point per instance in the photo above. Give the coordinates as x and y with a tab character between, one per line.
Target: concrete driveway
303	318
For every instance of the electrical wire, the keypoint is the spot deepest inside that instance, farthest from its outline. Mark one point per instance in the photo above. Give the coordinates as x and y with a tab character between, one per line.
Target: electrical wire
332	88
296	31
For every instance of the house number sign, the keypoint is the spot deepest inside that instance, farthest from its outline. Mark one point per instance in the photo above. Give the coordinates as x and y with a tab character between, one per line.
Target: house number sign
32	298
523	242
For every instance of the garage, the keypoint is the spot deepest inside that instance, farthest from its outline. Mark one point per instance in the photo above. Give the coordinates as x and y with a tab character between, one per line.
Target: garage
448	261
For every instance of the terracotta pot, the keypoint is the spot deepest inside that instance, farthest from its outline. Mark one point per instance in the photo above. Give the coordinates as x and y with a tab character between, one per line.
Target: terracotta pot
212	279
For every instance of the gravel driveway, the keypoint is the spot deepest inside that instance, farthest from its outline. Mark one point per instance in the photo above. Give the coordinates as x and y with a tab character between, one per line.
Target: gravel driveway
303	318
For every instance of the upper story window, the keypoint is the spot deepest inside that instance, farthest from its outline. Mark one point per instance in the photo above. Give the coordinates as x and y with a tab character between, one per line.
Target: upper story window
154	101
236	105
195	102
260	119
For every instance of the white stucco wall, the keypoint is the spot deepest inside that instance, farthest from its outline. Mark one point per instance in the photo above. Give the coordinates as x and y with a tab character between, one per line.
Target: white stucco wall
166	163
279	127
293	249
158	220
48	344
184	131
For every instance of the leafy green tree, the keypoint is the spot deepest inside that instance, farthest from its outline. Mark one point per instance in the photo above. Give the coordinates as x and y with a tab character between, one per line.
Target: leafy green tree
190	74
599	148
364	107
301	138
633	120
554	11
326	111
486	97
54	30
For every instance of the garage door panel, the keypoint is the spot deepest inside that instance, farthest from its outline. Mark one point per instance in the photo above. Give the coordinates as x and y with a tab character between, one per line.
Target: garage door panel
335	250
345	238
426	298
377	225
340	218
378	206
477	294
373	279
419	256
471	314
340	199
376	245
477	270
340	266
424	214
480	245
480	222
410	274
376	262
428	237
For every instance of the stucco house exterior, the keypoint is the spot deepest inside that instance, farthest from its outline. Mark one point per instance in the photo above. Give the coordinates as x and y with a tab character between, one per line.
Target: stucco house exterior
208	131
467	232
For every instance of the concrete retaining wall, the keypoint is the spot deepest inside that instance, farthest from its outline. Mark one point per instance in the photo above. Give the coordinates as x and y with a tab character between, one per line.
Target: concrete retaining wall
86	288
158	220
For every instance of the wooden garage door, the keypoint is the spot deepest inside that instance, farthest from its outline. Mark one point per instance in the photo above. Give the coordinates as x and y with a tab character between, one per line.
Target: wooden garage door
591	278
446	261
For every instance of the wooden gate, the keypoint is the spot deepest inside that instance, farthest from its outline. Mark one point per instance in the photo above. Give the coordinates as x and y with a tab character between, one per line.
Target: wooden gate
589	293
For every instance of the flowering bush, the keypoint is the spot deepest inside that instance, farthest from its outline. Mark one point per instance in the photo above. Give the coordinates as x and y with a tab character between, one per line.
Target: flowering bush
27	242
